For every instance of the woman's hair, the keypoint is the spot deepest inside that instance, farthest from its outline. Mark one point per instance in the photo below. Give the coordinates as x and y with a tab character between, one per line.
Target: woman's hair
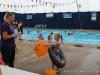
20	21
7	15
59	36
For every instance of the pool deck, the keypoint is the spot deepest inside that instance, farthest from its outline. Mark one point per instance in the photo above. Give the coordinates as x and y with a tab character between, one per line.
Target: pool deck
82	60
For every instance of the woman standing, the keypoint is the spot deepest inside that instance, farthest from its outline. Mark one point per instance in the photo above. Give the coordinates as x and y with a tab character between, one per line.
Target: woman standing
20	29
7	39
50	37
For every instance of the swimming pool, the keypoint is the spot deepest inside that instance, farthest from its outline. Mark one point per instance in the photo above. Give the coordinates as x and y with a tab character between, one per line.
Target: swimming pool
78	37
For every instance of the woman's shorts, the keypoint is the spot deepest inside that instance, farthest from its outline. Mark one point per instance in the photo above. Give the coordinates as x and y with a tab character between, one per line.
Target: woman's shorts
49	41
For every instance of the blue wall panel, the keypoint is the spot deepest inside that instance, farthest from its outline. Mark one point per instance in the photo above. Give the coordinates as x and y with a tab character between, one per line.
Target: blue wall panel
85	20
98	21
75	21
58	21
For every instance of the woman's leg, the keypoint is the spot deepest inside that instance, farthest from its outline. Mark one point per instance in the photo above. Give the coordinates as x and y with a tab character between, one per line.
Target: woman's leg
49	41
6	52
20	37
12	57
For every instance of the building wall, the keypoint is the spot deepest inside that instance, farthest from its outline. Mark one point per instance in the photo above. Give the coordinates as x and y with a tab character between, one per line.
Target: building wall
58	21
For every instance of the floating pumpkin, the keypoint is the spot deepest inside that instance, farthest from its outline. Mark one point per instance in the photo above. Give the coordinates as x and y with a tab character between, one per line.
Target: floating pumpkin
50	72
40	49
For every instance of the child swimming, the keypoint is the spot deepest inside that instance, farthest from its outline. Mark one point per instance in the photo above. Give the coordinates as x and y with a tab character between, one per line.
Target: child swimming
28	32
37	31
71	33
56	46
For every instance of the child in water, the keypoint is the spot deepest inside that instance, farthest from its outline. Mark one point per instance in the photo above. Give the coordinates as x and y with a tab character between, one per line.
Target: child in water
40	37
37	31
71	33
56	46
28	32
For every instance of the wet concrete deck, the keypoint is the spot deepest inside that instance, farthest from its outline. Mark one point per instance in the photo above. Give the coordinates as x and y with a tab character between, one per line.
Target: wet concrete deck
80	60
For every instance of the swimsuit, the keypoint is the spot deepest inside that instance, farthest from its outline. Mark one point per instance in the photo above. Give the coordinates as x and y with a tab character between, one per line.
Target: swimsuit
21	29
57	53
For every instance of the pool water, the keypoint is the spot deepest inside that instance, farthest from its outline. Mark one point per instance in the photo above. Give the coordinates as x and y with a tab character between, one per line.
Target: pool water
77	37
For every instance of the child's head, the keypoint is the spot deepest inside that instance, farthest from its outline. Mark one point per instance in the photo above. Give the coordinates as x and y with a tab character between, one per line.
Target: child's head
51	33
57	36
37	31
69	33
21	22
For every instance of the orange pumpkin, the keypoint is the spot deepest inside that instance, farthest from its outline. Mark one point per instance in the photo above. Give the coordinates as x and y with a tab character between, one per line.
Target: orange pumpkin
40	49
50	72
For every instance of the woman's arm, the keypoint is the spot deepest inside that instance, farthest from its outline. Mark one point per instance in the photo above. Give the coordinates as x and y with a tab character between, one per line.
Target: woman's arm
6	36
